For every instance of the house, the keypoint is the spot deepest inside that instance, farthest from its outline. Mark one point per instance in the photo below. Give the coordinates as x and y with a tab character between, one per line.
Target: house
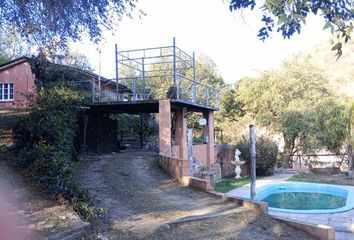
18	86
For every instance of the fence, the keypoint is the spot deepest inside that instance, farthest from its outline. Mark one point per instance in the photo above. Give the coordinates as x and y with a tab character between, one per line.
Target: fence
320	161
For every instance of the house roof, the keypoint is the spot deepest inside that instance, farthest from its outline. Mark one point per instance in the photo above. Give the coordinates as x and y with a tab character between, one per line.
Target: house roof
69	68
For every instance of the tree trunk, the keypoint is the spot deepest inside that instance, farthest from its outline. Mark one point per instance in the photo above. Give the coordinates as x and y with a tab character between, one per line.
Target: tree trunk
287	153
350	160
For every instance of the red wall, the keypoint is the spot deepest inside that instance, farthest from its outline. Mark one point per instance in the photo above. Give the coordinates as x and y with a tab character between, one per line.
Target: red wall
21	76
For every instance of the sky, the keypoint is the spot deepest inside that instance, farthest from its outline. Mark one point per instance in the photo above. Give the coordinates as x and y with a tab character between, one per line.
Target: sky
205	27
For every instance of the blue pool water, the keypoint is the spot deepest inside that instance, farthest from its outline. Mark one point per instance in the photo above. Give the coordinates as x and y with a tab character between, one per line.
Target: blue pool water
298	197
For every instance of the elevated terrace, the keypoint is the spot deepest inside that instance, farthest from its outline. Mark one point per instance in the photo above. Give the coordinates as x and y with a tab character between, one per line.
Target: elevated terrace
145	76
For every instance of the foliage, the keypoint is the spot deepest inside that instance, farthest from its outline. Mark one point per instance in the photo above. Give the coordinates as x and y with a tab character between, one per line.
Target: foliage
4	59
46	138
12	45
131	124
229	184
281	100
330	125
333	127
49	74
46	20
266	155
289	16
230	108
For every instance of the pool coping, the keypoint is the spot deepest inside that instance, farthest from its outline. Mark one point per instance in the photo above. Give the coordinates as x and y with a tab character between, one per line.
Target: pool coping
348	206
318	231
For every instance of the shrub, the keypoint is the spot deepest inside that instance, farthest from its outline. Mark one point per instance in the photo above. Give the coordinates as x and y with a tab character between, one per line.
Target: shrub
266	155
46	140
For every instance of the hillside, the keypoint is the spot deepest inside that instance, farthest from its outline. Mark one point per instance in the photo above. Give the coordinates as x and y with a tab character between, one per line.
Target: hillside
341	71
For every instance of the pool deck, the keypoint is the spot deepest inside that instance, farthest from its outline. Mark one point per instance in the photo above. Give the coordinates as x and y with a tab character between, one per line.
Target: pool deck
342	222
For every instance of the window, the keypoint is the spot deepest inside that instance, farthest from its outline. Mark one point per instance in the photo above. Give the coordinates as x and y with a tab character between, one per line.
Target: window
6	91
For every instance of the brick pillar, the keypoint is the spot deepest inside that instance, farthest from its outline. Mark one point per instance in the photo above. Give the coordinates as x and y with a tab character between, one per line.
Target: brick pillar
165	127
181	133
208	130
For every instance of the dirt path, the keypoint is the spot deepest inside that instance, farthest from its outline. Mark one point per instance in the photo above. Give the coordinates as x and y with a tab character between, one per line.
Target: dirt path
141	199
28	212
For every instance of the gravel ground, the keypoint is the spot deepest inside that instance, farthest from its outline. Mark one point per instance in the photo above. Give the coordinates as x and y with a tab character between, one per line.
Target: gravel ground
141	200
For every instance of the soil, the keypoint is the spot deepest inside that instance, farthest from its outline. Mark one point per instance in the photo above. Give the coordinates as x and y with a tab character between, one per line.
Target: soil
142	201
28	212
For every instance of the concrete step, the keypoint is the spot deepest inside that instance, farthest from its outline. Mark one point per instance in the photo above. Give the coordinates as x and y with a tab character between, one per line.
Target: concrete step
131	141
285	171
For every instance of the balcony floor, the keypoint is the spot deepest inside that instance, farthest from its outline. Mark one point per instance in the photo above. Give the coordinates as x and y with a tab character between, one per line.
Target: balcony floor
146	106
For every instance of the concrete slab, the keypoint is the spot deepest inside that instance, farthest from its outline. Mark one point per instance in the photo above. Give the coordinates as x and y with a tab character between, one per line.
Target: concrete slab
342	222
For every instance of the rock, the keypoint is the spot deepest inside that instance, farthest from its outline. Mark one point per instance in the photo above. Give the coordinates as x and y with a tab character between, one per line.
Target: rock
166	226
100	237
11	146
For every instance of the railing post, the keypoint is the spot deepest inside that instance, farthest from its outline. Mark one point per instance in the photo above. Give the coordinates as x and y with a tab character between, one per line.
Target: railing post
117	84
99	76
207	95
93	90
143	90
134	89
194	81
175	83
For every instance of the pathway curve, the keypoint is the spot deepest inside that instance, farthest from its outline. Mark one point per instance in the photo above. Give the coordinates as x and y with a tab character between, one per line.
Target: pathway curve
343	222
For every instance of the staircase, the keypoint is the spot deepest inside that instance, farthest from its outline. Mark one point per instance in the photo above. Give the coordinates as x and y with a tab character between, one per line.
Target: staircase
285	171
130	142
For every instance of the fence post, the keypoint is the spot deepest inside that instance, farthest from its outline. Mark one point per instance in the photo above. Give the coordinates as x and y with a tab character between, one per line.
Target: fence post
253	161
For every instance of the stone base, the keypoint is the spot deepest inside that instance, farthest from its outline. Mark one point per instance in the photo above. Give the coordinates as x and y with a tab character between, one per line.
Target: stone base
210	176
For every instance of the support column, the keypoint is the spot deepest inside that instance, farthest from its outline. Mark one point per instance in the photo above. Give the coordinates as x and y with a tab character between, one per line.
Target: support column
181	133
165	127
208	130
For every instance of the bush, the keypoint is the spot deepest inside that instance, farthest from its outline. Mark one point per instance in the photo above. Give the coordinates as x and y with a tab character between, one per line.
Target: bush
46	140
266	155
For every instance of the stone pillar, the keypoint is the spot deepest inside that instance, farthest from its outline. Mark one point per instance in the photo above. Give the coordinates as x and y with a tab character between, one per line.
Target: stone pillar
181	133
165	127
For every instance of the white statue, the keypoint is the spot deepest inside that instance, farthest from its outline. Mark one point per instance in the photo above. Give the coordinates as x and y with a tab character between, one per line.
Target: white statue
237	155
237	163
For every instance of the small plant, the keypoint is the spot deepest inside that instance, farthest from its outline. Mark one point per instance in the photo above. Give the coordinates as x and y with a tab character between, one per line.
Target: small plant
202	169
266	155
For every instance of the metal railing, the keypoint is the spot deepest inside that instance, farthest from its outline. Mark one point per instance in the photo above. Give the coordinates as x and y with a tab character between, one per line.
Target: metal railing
154	74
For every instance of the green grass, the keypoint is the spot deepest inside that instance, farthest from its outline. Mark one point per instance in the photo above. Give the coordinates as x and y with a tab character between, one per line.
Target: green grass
230	183
299	178
340	179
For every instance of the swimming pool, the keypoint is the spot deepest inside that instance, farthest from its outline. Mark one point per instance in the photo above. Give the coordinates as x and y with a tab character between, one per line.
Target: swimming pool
296	197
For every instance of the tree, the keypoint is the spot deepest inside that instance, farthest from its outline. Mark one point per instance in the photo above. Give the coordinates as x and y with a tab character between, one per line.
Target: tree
12	45
45	20
333	127
275	98
289	16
